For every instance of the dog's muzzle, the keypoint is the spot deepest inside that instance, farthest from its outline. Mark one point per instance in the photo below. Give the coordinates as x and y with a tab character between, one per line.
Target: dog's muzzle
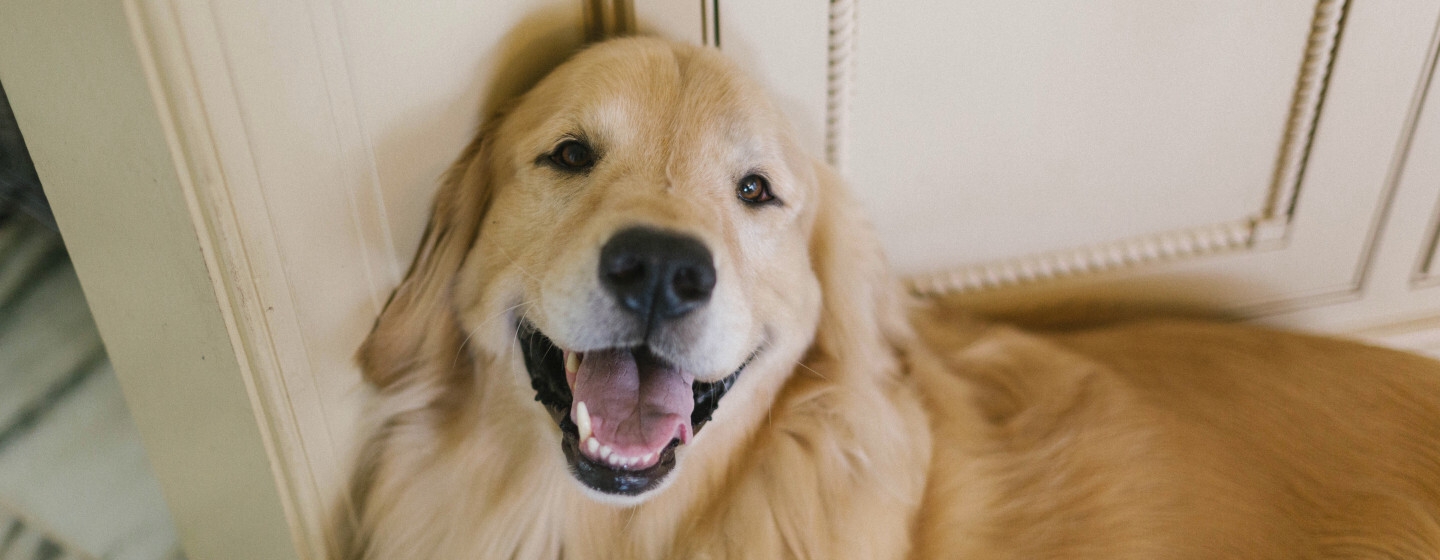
624	410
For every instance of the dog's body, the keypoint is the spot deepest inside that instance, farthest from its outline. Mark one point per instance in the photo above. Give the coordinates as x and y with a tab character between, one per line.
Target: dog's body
856	424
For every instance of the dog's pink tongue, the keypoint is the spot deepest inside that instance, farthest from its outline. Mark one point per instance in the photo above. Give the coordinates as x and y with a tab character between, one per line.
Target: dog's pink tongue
636	407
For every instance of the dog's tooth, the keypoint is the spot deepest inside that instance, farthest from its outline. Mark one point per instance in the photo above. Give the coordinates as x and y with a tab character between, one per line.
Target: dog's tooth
593	445
646	459
572	362
605	451
616	459
582	420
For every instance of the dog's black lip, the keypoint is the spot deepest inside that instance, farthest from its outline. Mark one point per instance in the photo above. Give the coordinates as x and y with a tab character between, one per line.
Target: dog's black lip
610	480
546	365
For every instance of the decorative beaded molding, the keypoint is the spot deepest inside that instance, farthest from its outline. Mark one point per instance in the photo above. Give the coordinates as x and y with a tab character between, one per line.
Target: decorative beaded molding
839	78
1271	223
1304	109
1086	260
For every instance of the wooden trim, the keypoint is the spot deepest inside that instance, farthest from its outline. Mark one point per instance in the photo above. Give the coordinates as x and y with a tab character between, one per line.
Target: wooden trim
608	18
839	78
1128	253
217	213
1305	106
1426	273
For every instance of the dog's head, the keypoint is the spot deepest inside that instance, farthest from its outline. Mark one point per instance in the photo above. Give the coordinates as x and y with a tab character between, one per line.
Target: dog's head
637	235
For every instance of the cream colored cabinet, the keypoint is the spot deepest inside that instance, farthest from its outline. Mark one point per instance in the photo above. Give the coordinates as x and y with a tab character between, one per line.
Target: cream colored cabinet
243	182
1269	159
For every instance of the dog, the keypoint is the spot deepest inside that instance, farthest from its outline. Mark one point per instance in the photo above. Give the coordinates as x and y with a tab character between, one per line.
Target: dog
644	323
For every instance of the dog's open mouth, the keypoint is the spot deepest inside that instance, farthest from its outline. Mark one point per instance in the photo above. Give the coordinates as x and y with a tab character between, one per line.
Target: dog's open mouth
621	411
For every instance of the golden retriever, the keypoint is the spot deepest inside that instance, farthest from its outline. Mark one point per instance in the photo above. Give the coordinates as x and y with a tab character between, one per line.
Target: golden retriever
645	324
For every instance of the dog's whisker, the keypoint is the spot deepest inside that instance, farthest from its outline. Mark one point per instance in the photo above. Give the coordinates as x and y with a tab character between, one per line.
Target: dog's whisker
811	370
477	329
631	519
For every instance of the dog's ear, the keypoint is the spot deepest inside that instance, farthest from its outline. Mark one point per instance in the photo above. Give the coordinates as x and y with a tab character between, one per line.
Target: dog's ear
863	315
420	321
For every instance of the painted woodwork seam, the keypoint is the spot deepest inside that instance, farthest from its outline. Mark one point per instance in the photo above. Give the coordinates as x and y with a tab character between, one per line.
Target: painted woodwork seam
607	18
710	23
1424	274
330	45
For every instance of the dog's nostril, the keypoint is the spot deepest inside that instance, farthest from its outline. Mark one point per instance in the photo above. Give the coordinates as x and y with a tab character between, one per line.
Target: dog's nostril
653	273
626	268
692	283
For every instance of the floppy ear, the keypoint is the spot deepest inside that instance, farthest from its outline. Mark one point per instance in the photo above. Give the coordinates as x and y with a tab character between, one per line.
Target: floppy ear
420	324
863	316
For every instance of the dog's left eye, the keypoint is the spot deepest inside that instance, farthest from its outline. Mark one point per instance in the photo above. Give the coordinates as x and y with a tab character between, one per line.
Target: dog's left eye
573	155
754	189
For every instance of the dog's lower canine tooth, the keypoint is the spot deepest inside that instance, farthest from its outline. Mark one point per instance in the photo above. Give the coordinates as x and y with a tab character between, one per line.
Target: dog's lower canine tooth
572	362
582	420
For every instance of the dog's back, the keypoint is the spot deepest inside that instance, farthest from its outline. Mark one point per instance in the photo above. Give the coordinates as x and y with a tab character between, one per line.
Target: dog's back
1178	439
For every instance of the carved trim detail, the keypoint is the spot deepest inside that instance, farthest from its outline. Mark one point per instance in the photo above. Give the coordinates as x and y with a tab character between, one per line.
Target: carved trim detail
839	78
1093	259
1269	225
1305	109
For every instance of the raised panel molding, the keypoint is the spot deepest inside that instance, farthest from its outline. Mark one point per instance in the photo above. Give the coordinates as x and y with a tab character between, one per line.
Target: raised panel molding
1265	228
839	77
1252	264
1426	271
1422	169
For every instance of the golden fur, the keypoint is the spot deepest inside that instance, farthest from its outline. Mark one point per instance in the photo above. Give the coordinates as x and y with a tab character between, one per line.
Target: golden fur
870	426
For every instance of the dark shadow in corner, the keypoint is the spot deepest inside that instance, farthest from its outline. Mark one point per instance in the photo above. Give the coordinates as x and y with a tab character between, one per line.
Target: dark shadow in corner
19	184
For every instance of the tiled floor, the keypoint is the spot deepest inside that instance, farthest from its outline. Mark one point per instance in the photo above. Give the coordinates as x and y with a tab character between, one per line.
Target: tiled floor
74	482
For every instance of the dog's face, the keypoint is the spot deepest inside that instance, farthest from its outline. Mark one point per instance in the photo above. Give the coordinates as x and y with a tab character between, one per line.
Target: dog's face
644	247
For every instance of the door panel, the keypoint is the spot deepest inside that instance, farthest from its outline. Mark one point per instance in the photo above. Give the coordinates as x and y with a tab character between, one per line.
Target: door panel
1014	120
1219	155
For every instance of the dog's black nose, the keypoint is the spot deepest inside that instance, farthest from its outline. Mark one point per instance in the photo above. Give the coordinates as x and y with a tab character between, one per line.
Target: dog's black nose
656	274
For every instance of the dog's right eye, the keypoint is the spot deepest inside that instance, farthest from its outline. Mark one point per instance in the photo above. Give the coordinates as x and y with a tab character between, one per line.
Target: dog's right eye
573	155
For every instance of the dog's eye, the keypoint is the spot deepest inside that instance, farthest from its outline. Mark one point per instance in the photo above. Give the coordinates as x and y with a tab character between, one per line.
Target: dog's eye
573	155
754	189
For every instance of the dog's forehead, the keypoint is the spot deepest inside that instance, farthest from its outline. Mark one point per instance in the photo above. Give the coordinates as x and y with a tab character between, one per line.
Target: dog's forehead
647	88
